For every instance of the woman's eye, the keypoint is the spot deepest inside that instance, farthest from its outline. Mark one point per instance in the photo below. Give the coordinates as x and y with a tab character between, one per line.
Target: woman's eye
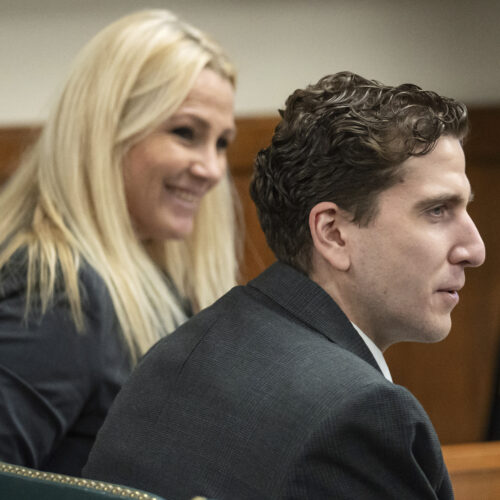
184	132
222	144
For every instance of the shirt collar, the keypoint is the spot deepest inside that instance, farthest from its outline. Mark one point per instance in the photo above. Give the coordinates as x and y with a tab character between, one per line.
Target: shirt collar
377	353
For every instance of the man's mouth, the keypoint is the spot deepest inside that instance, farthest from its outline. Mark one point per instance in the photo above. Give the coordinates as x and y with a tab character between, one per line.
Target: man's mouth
451	292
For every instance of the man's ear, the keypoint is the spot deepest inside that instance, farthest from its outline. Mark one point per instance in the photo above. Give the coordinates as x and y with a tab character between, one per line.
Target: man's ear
328	226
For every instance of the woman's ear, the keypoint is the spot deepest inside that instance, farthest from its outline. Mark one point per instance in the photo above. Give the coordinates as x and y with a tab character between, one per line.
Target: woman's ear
328	225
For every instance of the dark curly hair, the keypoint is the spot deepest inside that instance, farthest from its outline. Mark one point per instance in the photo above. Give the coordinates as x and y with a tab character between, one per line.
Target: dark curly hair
343	140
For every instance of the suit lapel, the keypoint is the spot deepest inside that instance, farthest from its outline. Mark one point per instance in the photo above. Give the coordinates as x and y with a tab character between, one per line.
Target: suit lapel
311	305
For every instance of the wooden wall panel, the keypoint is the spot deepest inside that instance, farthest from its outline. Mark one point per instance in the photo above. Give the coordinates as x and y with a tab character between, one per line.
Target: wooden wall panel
13	140
253	135
452	379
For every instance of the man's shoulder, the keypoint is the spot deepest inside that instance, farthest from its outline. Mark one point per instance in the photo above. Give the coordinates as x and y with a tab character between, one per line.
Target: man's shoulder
249	341
243	335
241	315
245	378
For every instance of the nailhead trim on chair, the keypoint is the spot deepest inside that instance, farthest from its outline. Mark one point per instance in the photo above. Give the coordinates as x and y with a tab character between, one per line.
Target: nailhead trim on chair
122	491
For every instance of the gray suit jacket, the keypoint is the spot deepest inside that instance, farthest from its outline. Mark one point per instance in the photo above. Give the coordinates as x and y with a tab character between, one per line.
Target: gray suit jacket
269	393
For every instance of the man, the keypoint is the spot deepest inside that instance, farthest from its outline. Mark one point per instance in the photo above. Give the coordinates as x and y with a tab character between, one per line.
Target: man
280	389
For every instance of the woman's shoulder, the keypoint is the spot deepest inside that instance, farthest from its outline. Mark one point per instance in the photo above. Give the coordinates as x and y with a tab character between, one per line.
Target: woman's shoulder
14	279
95	300
97	305
13	274
98	336
93	290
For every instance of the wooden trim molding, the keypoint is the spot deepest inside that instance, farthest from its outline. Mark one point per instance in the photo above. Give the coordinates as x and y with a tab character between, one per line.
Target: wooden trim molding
470	457
474	469
254	133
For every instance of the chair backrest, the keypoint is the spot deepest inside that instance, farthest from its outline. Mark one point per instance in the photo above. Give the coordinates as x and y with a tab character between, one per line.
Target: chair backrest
23	483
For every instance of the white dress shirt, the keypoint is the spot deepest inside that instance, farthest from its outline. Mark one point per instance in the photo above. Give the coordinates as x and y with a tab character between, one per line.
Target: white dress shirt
377	353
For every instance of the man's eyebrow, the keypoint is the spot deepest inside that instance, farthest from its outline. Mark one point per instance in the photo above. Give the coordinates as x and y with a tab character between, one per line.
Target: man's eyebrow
443	199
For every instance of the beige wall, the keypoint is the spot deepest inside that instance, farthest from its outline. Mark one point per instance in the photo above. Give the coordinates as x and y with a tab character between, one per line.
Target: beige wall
278	45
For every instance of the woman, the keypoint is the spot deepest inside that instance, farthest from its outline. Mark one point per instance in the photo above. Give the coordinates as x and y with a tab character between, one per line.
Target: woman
117	225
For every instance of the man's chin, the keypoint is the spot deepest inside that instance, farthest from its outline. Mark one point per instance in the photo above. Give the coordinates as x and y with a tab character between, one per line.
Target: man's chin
436	334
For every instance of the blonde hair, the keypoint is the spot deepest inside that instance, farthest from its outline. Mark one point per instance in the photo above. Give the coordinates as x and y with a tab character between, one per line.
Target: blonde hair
66	202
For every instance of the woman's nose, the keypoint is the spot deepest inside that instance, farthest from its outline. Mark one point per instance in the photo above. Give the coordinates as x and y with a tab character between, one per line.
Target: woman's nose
210	164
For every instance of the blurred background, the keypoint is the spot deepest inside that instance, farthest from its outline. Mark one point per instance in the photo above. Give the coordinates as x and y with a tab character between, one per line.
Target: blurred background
451	46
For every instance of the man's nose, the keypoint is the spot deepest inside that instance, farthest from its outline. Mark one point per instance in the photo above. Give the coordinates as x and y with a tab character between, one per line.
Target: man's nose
470	250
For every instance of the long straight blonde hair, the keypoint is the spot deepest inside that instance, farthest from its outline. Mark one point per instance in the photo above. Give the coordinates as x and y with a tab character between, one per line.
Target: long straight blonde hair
66	204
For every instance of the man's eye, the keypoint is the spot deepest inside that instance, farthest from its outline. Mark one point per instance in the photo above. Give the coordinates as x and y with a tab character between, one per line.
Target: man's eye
184	132
437	211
